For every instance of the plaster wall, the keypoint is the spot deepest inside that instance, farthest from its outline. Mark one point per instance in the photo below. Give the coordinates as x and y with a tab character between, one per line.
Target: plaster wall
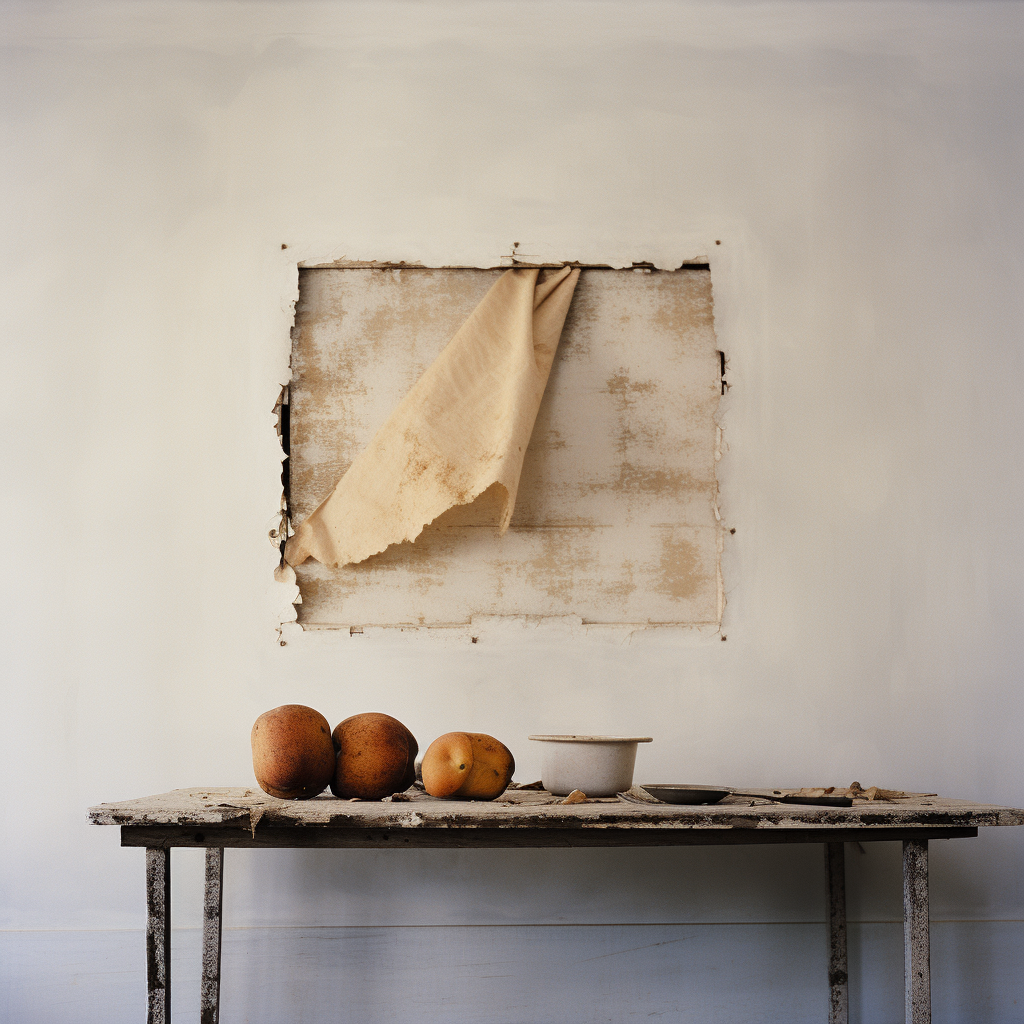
860	166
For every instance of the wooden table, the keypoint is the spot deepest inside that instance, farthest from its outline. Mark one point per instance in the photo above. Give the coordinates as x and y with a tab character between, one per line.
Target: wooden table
248	818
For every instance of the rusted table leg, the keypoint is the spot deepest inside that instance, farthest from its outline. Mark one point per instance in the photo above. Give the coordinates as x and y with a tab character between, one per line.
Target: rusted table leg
209	991
158	935
838	988
916	955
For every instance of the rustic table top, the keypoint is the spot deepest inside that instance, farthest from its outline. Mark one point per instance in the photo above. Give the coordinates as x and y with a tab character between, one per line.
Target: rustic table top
253	810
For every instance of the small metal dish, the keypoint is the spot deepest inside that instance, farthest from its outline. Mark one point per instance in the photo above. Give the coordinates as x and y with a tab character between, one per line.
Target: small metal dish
686	794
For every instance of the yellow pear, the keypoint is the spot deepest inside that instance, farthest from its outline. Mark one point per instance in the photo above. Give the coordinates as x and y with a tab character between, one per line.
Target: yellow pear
447	764
492	770
467	766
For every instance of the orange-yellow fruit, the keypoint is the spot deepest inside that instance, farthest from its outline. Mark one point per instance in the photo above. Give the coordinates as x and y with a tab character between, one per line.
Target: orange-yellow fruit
467	766
447	763
493	767
292	754
376	757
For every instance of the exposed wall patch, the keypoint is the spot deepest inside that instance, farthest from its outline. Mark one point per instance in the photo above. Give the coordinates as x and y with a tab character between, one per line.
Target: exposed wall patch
617	516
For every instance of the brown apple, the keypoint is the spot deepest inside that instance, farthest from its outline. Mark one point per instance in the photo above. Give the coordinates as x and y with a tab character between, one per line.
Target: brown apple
376	756
292	753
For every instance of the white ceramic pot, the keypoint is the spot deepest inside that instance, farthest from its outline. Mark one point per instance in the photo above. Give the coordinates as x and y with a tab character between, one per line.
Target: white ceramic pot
597	765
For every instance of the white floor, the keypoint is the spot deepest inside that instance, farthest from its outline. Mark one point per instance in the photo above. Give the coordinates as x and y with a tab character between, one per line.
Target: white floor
707	973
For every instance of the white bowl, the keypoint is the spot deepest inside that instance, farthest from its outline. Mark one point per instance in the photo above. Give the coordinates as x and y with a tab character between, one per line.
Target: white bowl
596	765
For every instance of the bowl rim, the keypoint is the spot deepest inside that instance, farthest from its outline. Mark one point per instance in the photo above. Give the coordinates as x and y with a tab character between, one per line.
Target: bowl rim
573	738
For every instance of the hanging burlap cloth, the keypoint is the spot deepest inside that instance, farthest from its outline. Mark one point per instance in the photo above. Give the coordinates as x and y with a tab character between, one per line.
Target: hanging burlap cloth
463	427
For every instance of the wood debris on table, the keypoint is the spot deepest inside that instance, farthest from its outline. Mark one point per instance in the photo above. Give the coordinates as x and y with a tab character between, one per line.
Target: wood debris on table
638	795
856	792
523	797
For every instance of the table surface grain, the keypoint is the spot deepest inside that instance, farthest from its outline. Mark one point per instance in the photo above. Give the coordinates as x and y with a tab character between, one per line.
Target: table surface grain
248	808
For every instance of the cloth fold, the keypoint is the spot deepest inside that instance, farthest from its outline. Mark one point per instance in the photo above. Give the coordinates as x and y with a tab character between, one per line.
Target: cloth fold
463	426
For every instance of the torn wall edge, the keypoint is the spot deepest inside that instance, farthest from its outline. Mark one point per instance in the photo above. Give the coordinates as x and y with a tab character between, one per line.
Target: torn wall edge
287	595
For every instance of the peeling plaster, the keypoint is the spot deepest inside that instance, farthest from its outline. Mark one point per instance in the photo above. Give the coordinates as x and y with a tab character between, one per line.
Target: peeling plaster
285	590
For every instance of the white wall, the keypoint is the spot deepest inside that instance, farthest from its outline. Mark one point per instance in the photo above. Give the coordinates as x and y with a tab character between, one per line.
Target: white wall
861	166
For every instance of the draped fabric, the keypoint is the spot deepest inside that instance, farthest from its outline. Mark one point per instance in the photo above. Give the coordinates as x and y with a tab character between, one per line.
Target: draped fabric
463	427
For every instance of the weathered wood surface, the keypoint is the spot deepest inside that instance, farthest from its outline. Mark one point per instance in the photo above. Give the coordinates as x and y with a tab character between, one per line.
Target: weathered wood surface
251	809
213	904
838	969
326	837
615	519
916	933
158	936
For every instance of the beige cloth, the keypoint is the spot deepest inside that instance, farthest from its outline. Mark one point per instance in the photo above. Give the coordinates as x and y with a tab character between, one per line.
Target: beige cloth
464	426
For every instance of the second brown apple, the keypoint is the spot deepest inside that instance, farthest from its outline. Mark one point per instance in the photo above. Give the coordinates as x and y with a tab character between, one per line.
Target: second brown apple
376	757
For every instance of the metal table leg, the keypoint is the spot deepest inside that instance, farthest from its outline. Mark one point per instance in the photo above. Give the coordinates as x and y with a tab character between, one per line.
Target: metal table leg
838	985
158	935
209	992
916	953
